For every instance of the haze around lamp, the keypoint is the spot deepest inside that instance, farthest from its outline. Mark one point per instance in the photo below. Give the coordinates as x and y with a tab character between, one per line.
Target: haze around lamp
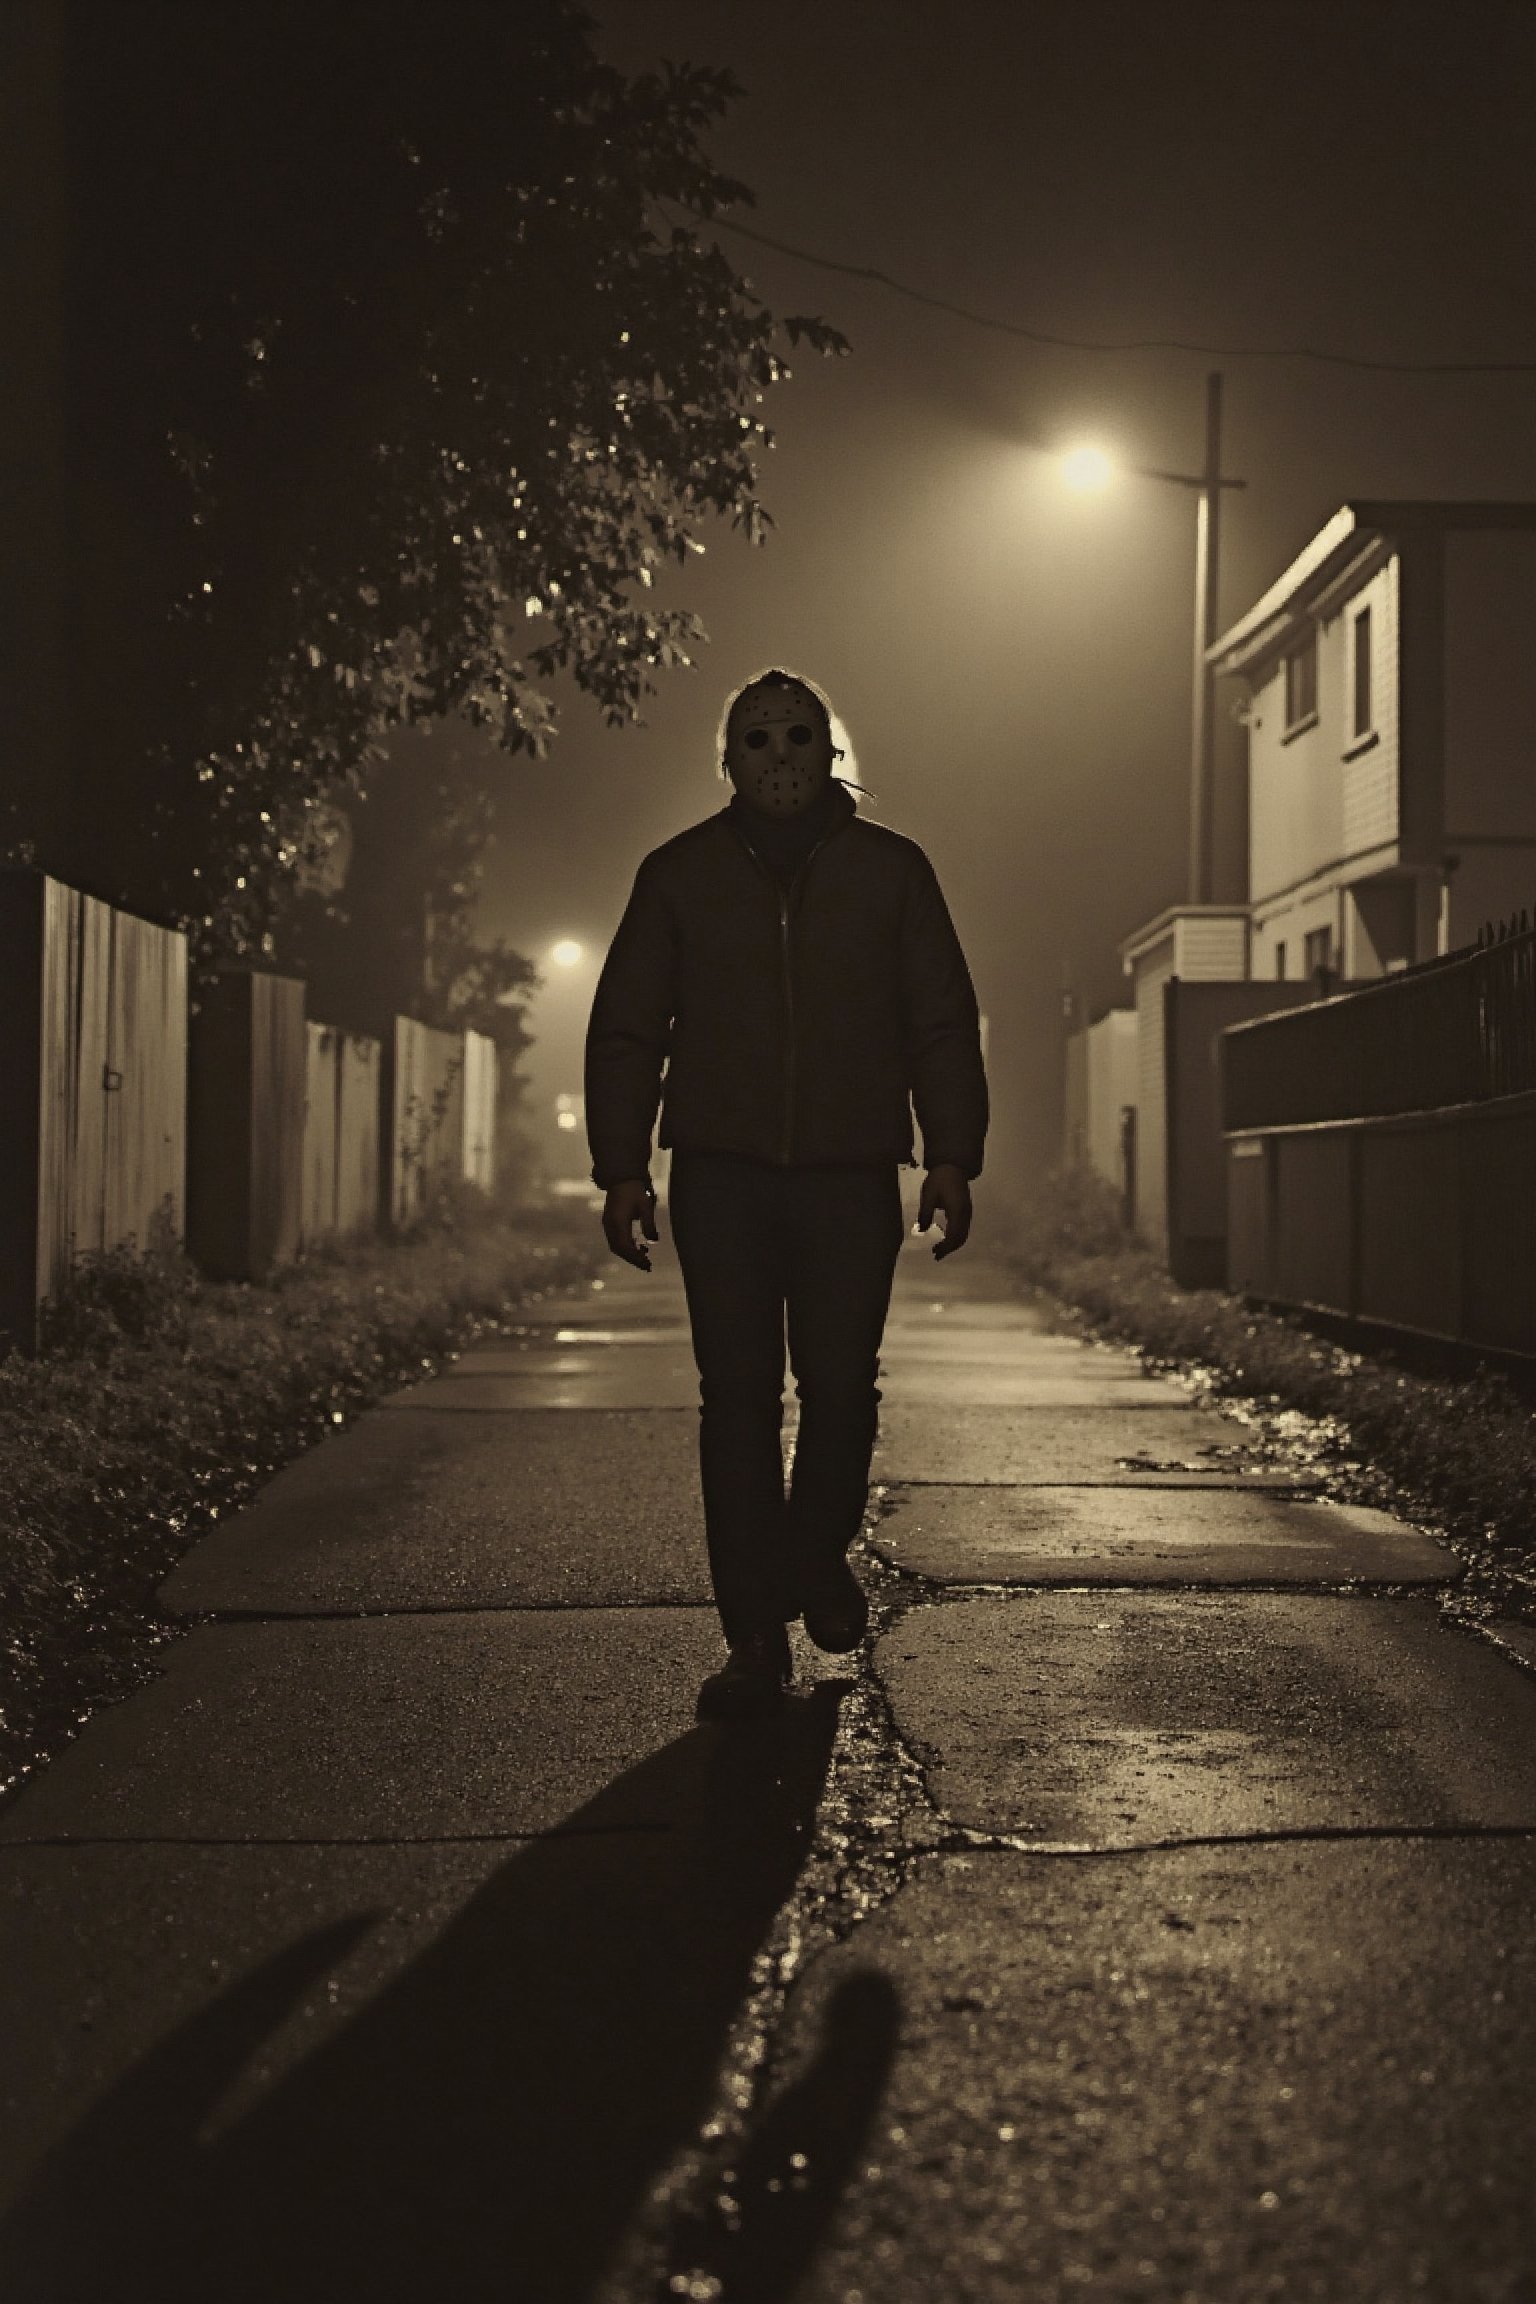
1086	469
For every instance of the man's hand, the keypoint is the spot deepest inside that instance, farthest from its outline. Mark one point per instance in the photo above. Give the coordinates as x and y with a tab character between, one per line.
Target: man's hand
624	1206
947	1193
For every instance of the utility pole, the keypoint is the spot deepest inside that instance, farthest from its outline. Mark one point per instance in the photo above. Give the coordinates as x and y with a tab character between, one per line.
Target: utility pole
1202	762
1089	468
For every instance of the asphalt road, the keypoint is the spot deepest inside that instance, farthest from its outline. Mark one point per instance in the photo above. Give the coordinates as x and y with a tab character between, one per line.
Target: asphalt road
1146	1914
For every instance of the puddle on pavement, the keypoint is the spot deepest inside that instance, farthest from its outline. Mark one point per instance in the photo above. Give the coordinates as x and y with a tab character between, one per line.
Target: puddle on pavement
1234	1461
1312	1449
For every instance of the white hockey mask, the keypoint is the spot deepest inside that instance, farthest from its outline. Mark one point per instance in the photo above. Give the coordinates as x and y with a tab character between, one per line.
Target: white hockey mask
779	753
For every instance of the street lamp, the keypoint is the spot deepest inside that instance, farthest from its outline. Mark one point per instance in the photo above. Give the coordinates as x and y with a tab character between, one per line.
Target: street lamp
1087	469
567	953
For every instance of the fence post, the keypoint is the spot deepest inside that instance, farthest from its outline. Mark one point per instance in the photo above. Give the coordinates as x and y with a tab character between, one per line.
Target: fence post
245	1168
24	1216
93	1108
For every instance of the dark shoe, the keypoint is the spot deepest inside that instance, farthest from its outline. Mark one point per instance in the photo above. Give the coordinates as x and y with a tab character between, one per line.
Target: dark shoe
835	1609
750	1684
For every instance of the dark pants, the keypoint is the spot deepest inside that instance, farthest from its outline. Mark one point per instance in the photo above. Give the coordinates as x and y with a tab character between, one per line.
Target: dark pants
762	1247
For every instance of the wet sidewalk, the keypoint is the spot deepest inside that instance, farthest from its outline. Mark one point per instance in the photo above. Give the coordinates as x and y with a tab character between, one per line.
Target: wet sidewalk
1145	1915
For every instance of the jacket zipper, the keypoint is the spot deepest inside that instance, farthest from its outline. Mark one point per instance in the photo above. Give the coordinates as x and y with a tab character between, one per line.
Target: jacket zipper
789	1025
785	897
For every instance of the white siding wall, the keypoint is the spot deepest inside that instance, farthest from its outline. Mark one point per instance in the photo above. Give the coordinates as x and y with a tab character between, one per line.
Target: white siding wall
479	1158
1296	818
1291	925
1268	935
1271	773
1112	1083
1370	774
1325	804
1211	946
1074	1115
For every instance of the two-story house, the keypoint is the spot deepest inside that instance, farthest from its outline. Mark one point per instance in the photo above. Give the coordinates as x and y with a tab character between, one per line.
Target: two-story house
1391	710
1391	739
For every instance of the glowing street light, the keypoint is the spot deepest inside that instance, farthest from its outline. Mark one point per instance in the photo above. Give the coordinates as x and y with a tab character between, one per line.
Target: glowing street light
1087	469
567	953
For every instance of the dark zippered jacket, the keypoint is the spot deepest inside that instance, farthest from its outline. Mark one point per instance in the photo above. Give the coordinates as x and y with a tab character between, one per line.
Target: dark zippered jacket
792	1024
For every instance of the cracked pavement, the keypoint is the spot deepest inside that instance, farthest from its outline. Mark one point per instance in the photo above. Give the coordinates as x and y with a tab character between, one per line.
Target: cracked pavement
1143	1914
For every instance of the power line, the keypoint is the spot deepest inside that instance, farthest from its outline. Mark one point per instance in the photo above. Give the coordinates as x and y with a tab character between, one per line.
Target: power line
1127	344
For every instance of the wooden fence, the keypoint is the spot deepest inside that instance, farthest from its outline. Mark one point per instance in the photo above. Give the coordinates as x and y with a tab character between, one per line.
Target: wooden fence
423	1104
480	1088
1196	1015
317	1199
245	1130
1381	1149
243	1126
440	1101
1456	1030
93	1053
341	1135
440	1105
359	1133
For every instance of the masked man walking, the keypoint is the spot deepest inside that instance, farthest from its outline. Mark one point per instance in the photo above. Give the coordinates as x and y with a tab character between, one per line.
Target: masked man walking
792	970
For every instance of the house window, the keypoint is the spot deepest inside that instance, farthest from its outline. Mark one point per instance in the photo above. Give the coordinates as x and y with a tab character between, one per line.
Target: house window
1301	683
1280	961
1363	711
1318	951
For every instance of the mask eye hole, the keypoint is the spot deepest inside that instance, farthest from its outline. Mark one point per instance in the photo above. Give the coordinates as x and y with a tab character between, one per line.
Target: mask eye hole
800	734
755	739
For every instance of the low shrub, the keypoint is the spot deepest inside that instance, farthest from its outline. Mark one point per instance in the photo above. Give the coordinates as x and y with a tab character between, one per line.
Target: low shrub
120	1297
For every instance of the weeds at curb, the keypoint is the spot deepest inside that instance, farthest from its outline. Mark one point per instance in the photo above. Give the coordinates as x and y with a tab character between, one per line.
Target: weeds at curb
1454	1452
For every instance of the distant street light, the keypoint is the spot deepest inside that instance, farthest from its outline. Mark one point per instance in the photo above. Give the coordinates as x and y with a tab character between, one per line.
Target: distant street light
1087	469
567	953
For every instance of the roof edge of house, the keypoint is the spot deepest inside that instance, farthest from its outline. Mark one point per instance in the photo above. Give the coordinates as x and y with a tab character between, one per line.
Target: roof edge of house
1320	559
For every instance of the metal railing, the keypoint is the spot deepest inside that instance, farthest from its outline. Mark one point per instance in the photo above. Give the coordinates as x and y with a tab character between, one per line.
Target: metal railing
1457	1030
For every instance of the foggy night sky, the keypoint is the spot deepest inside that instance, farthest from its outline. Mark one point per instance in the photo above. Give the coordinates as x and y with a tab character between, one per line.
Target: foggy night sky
1012	661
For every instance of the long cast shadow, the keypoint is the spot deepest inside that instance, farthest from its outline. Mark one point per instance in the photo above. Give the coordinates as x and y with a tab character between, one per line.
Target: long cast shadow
761	2233
487	2125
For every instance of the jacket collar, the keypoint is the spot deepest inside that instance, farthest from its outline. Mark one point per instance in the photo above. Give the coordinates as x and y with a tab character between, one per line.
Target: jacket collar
790	839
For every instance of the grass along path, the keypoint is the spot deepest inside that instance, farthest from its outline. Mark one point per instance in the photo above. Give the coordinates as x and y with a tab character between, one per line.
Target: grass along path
161	1401
1454	1453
